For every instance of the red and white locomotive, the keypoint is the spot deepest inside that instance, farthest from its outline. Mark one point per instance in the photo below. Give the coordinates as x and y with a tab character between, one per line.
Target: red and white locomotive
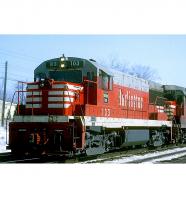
76	106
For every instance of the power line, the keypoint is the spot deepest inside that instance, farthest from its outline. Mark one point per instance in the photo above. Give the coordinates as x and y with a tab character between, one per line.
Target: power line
11	79
25	60
17	54
22	65
21	75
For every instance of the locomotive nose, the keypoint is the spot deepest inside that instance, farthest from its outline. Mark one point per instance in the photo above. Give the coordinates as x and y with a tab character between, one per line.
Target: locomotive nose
56	97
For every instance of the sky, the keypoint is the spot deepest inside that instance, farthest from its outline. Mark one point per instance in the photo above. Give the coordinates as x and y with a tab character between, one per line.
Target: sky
166	54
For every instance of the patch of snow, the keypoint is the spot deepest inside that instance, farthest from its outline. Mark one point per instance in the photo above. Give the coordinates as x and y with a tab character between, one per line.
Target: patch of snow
3	140
166	158
149	155
96	160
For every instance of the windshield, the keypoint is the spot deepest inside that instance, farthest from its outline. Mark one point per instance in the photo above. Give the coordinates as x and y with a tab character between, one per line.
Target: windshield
74	76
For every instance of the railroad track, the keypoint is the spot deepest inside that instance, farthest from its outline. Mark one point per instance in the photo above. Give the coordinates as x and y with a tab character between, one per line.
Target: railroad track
4	157
155	159
125	156
152	157
26	160
9	158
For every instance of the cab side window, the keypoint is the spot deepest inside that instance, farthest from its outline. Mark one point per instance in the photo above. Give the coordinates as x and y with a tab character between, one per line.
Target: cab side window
105	81
90	76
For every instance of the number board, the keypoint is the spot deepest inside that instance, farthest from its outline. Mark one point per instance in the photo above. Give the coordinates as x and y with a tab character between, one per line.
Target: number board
74	63
52	64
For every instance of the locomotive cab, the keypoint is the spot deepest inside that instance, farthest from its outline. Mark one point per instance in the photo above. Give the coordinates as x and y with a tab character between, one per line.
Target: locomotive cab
87	73
68	69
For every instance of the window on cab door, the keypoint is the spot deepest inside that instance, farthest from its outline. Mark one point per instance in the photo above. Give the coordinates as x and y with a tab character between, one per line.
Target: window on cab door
105	81
90	76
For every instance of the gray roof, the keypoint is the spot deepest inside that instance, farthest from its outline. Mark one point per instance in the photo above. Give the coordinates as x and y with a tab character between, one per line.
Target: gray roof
175	87
124	79
105	69
155	86
130	81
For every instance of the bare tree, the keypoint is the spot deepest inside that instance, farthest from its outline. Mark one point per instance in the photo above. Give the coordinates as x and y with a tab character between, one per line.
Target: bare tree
11	88
140	71
115	63
145	72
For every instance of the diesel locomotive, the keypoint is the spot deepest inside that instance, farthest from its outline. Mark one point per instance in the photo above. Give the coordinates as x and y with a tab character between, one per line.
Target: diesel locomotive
76	106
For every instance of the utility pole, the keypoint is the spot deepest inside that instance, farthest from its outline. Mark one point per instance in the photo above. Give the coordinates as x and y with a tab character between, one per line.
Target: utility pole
4	95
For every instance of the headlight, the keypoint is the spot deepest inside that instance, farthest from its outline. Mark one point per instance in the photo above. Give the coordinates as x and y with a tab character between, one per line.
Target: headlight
62	65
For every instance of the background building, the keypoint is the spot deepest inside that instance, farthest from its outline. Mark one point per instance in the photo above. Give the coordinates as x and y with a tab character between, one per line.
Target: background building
8	108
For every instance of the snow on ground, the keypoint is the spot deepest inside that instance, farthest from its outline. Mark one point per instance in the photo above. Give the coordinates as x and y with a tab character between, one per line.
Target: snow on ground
127	159
167	158
3	140
150	155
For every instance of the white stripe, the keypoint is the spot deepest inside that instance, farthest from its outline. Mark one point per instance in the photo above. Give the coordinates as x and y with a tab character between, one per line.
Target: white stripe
100	121
74	87
59	86
34	93
55	93
169	109
66	105
34	99
43	118
61	99
33	105
172	106
122	122
69	93
32	86
161	111
160	107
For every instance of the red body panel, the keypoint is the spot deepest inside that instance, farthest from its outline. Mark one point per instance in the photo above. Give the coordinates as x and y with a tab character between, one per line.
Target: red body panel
122	102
